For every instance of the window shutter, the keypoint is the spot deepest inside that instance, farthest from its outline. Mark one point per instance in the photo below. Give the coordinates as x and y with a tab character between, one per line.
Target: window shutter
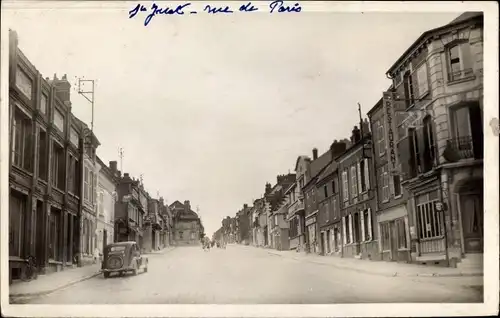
391	183
358	169
344	230
367	174
362	226
421	146
414	84
370	230
350	229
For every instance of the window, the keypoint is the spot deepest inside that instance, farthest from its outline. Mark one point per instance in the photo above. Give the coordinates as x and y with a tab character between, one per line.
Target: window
73	137
71	174
335	208
429	150
59	120
354	182
429	220
17	214
101	202
327	212
325	189
58	173
42	155
459	61
467	131
422	80
380	137
86	182
415	162
43	104
334	188
363	177
396	179
345	186
408	89
384	177
401	230
21	140
24	83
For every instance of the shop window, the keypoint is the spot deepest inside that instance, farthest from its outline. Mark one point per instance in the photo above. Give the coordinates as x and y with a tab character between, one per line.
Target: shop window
429	220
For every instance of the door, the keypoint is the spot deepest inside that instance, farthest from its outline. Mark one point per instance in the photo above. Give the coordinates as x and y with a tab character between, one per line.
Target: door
356	232
39	230
323	243
472	222
393	238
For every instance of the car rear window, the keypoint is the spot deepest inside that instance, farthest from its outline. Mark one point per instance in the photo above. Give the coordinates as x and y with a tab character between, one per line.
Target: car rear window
117	248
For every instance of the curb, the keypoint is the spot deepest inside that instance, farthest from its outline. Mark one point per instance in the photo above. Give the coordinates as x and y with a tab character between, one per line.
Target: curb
460	274
46	292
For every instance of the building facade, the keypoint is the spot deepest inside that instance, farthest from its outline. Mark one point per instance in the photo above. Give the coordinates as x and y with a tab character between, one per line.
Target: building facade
329	219
358	195
392	215
187	225
44	168
129	211
106	198
440	140
296	210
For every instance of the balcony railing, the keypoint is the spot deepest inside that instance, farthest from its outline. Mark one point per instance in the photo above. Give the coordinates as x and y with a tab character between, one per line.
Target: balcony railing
465	148
461	74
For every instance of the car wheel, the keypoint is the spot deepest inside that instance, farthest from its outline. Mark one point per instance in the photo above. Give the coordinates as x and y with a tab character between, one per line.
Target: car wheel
106	274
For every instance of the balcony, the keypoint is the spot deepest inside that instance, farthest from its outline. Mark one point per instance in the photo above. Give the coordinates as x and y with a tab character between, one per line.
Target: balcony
461	75
463	148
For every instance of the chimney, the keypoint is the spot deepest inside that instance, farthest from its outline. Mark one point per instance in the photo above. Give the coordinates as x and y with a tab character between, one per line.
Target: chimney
356	135
245	206
315	153
63	88
268	188
337	148
187	206
113	165
366	127
126	175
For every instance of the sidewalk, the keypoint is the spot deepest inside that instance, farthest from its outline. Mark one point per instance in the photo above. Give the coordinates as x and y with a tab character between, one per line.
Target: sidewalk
382	268
45	284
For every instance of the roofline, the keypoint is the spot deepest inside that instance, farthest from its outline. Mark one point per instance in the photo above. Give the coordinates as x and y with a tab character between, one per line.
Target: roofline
377	105
425	35
360	142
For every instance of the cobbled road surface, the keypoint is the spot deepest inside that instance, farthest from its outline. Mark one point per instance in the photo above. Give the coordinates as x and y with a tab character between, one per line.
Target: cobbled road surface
248	275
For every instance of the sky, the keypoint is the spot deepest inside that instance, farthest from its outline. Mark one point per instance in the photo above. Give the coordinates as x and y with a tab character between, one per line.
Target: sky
208	108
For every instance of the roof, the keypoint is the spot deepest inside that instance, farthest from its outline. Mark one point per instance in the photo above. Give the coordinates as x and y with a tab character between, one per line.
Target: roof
359	144
181	213
305	158
329	169
318	165
460	19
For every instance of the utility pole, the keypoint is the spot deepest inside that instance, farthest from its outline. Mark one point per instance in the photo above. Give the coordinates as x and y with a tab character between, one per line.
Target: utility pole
120	154
88	94
361	129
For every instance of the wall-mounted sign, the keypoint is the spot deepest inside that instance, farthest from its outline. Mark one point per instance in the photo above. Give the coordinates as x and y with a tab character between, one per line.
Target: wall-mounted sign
390	129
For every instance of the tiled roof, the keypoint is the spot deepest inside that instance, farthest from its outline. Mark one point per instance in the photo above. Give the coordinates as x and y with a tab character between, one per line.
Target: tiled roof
466	16
330	168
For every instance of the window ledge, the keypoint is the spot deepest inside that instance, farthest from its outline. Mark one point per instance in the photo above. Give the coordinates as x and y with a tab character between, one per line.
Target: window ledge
385	201
461	80
398	197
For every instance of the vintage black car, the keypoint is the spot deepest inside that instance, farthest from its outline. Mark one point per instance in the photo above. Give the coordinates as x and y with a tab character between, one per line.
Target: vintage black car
123	257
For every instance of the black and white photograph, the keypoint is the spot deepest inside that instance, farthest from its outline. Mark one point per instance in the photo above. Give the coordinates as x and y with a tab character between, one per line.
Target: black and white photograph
249	159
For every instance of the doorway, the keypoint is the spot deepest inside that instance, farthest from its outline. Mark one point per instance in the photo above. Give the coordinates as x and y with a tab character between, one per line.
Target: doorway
39	233
472	222
393	240
356	232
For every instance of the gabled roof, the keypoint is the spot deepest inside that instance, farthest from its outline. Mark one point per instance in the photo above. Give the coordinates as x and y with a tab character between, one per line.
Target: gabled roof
305	158
329	169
